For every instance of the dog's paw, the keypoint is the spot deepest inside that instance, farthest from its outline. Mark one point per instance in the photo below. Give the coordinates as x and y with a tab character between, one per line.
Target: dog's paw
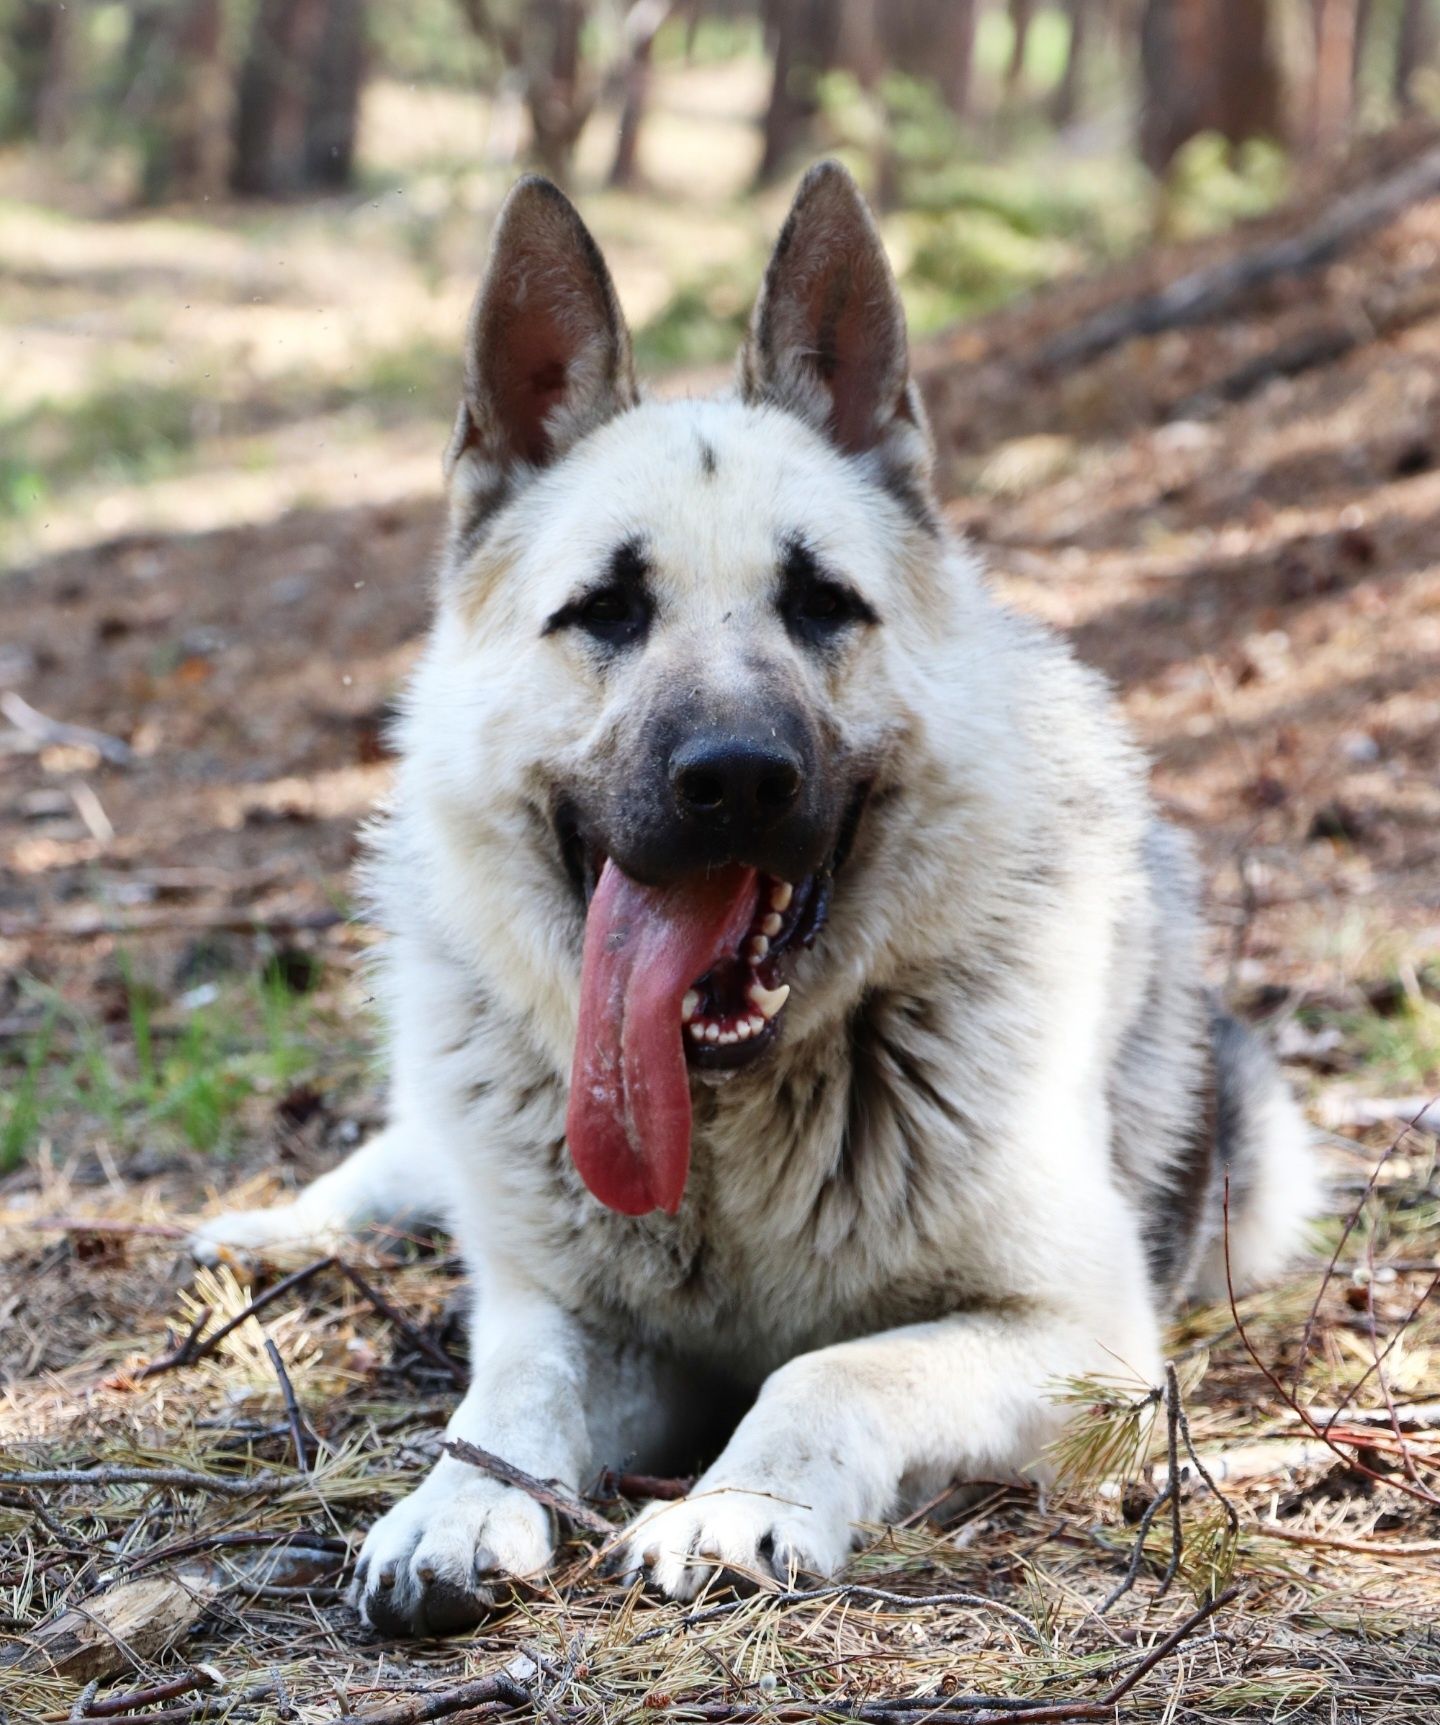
245	1233
756	1539
442	1558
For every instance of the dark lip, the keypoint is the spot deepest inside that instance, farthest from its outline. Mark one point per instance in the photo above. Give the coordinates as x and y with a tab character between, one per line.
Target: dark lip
583	859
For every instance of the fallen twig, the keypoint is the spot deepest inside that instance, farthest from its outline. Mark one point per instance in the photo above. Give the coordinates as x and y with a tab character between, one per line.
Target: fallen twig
177	1478
43	729
185	1684
550	1492
639	1486
444	1704
1288	1398
193	1348
293	1415
1206	293
415	1336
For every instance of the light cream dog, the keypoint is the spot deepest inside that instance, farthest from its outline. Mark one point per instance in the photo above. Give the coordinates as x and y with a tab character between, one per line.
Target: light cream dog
795	1005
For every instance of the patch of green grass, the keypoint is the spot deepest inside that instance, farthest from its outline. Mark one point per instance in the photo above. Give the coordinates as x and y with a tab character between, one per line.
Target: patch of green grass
168	1072
121	431
1399	1050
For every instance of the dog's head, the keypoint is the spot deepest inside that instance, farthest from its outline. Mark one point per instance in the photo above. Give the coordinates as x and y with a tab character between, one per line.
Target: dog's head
662	688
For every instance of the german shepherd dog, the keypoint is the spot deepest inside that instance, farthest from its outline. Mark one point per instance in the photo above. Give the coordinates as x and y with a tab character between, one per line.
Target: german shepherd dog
796	1006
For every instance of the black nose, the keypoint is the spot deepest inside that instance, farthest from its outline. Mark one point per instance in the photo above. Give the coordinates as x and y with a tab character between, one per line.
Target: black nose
735	781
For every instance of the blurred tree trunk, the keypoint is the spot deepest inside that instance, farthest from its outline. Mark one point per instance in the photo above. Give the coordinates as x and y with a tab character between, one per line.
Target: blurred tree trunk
178	93
954	61
332	115
1022	16
559	94
200	148
642	25
541	42
1065	103
1206	66
1414	48
805	37
1339	37
274	97
298	100
36	44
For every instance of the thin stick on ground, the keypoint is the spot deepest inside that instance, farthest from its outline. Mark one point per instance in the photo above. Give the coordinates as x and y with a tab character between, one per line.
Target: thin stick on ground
193	1349
416	1337
444	1704
1351	1459
551	1493
293	1415
176	1478
1169	1494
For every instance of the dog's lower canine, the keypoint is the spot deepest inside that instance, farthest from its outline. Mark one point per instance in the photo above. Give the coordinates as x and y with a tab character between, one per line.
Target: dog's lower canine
796	1006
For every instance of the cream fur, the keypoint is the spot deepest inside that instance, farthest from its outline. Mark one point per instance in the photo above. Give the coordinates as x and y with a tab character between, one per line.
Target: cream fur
952	1183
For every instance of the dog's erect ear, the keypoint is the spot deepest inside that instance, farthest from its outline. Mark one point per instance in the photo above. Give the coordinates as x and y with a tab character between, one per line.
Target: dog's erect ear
548	356
827	340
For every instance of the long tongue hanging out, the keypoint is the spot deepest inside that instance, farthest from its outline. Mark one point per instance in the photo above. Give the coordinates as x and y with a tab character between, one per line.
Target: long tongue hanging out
629	1119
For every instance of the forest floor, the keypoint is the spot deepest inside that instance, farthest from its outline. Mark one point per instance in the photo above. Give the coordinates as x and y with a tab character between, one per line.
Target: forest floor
1239	523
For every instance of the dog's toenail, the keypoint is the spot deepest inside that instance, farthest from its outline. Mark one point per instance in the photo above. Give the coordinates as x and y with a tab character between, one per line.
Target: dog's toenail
650	1556
485	1560
386	1577
426	1572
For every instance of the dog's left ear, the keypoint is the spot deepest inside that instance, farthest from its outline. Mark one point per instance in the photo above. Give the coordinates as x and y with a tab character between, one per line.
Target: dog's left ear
547	357
828	341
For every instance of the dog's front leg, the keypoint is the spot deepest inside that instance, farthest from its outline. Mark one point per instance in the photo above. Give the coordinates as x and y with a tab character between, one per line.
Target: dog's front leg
439	1560
848	1434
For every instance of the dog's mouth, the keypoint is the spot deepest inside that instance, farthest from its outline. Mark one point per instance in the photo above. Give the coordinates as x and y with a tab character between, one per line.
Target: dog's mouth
685	976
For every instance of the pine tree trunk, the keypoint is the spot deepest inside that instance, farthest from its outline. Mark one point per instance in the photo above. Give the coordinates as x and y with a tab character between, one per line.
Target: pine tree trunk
1065	103
1337	41
37	47
274	98
642	25
332	115
806	38
1414	48
1022	16
1206	65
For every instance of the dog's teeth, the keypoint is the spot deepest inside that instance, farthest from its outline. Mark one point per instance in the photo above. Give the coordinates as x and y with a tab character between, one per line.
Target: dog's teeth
781	894
771	924
727	1037
757	1024
698	1032
756	948
768	1001
689	1006
712	1032
742	1030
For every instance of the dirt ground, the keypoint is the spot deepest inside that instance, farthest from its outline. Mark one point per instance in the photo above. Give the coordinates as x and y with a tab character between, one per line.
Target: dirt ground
1236	522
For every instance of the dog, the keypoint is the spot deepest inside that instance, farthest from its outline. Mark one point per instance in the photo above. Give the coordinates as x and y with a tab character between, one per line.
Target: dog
795	1004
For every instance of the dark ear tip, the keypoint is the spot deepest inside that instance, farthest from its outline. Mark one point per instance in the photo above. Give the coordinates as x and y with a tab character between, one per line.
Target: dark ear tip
829	179
534	189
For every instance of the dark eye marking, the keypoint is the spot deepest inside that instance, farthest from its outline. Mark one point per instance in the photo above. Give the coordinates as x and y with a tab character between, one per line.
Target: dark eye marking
817	607
615	610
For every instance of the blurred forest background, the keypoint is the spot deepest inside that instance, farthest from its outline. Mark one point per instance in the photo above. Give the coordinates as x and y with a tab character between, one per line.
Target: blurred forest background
1173	268
318	174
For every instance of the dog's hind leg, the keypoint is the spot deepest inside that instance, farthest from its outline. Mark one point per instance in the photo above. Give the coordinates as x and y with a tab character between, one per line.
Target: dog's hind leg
394	1180
1264	1148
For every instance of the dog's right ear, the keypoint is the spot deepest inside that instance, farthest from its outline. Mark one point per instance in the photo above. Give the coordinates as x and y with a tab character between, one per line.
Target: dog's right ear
547	356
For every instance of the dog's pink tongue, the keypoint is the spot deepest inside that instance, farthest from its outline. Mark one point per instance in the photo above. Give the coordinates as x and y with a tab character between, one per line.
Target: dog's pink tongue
629	1119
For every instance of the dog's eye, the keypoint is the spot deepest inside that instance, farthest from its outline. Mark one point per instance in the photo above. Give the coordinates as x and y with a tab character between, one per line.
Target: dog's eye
613	614
817	610
815	606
